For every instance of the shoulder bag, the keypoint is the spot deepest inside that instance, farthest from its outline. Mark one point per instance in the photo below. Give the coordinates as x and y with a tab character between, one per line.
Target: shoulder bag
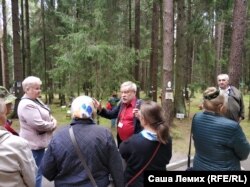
73	139
151	158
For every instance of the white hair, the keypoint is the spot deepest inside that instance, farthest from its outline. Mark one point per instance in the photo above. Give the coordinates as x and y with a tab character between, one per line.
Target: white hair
30	81
223	76
130	85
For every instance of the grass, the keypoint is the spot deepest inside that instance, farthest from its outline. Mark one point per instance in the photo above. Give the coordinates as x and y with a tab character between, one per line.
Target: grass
180	130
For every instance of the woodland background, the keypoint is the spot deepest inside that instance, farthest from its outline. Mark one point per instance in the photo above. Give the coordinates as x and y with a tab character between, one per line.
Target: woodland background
171	48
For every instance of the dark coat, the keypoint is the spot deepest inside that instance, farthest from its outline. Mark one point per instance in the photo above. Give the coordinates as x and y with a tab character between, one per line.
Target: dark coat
61	163
137	151
220	143
235	104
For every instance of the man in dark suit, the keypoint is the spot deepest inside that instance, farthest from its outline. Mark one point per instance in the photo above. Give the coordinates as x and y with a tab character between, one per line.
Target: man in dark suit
235	99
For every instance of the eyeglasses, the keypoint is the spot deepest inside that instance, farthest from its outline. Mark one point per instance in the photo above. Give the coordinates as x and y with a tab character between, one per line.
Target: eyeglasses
221	79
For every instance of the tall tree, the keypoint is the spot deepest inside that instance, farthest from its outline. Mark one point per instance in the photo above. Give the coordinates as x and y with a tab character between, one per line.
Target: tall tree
22	39
27	38
168	59
239	29
154	49
180	58
219	37
190	48
18	73
44	51
4	49
130	23
18	70
137	40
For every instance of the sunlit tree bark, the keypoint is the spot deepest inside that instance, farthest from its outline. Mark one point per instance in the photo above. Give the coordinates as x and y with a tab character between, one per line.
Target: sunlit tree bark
168	59
238	35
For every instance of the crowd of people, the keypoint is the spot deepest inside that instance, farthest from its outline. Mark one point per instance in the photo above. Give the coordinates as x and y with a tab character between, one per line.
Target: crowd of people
85	153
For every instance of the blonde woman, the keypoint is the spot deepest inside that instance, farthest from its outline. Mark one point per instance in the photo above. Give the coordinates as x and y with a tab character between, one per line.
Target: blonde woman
220	143
36	121
17	166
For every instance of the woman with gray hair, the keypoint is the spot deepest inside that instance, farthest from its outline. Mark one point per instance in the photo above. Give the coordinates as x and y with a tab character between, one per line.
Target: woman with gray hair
220	143
36	122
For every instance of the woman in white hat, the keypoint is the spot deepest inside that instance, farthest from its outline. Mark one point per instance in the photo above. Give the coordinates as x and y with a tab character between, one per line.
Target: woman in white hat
61	162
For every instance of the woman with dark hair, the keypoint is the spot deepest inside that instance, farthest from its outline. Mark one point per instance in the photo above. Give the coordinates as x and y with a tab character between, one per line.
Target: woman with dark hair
220	143
152	146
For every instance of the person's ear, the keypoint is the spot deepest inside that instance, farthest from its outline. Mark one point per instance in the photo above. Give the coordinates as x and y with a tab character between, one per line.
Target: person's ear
222	109
141	118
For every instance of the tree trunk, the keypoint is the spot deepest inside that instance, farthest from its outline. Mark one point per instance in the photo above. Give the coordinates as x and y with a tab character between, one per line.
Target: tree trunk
18	71
239	24
137	43
180	59
4	50
190	47
130	23
154	50
23	40
27	38
44	53
168	59
219	38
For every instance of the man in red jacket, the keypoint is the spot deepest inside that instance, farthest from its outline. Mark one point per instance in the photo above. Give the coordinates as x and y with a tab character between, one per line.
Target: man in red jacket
126	112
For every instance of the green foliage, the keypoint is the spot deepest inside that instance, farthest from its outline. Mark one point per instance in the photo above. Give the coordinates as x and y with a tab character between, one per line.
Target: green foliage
88	42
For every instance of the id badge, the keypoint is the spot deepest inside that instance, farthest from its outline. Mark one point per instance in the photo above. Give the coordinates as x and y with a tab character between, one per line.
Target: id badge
120	125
